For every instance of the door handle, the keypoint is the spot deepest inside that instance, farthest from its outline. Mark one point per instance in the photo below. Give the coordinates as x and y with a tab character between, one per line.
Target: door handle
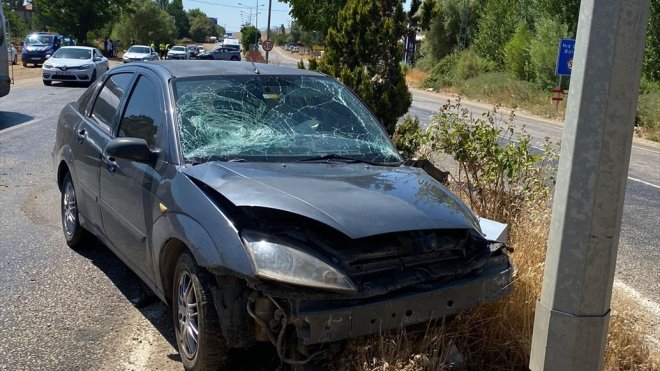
82	134
110	163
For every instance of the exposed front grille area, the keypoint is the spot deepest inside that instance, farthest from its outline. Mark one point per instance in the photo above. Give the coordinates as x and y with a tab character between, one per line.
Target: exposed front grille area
63	77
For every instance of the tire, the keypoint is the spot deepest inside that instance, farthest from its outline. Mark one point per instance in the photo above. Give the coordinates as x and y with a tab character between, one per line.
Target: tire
47	82
15	61
24	64
234	58
92	79
74	233
192	285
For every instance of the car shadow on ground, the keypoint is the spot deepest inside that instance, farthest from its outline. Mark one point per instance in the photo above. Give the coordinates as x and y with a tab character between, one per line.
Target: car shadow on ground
9	119
262	357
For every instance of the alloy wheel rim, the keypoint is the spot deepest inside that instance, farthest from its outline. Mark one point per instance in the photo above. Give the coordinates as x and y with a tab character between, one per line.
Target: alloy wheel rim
187	315
69	209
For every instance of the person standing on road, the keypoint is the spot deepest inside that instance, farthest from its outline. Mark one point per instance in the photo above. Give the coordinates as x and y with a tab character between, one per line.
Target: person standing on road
111	48
163	51
105	46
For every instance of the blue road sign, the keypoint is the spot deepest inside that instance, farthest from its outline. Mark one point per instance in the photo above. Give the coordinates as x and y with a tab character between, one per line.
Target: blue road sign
565	57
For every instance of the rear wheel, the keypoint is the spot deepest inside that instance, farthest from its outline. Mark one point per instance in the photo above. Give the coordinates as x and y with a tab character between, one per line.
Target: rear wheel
234	58
196	324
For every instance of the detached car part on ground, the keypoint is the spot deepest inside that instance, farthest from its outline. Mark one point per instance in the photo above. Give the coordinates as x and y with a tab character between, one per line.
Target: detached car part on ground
265	205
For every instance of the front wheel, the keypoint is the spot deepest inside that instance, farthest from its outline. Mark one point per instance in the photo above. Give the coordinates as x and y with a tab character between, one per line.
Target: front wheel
15	61
47	82
196	324
74	233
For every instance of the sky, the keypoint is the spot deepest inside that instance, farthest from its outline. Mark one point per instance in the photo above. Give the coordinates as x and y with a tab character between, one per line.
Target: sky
232	13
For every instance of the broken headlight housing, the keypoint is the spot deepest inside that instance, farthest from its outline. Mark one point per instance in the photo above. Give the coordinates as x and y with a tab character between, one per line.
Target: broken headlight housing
279	261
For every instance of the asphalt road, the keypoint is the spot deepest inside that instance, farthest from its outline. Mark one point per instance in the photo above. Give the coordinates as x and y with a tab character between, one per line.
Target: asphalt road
64	309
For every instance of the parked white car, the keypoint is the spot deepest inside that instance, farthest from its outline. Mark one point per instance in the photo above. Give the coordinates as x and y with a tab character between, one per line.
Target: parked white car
13	55
140	53
75	64
178	52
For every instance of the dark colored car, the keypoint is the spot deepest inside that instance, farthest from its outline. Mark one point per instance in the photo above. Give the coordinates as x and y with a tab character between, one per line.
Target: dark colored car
265	205
221	53
39	46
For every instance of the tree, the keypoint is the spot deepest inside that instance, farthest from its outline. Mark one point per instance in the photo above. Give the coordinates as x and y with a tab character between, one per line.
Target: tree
175	9
497	23
218	31
517	60
200	25
543	49
145	23
250	35
316	15
651	66
17	28
76	17
564	11
365	55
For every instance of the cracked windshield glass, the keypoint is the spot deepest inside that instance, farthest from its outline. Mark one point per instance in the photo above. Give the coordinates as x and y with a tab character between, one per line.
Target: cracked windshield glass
276	118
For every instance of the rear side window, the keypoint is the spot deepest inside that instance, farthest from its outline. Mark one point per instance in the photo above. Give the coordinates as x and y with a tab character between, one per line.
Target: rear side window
107	102
143	116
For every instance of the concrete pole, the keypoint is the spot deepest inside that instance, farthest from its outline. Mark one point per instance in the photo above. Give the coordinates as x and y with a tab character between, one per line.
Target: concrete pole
270	4
572	315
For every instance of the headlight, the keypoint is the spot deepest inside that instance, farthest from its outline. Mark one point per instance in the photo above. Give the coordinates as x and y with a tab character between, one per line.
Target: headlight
48	66
284	263
85	66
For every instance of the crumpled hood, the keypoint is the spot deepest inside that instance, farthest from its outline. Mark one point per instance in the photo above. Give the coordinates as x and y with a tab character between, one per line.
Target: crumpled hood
355	199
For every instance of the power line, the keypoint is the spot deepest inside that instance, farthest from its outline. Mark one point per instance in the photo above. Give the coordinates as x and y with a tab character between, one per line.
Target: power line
232	6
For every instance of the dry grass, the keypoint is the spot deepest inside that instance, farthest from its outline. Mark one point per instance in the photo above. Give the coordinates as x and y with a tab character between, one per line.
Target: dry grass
495	336
415	76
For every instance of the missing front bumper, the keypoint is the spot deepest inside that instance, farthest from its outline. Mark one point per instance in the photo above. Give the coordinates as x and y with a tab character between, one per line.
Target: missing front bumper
321	326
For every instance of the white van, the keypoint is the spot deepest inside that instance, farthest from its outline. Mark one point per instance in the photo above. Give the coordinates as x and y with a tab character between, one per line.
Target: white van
232	44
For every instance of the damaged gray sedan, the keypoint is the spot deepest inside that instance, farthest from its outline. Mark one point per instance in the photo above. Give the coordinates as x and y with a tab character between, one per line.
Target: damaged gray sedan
265	205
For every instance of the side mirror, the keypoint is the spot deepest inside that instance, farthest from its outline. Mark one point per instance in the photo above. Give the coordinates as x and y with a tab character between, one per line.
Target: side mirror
135	149
47	56
97	59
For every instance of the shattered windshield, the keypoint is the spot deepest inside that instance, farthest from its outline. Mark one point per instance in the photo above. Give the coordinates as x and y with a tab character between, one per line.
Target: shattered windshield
276	118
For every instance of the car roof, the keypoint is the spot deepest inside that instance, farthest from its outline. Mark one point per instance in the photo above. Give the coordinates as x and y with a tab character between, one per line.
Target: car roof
180	69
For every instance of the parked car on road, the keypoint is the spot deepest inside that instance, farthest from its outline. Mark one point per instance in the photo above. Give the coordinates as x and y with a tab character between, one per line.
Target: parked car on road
193	50
200	50
294	49
221	53
139	53
39	46
265	205
13	55
75	64
178	52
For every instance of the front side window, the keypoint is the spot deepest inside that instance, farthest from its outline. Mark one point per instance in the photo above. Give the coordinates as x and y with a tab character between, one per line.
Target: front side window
144	115
276	118
107	102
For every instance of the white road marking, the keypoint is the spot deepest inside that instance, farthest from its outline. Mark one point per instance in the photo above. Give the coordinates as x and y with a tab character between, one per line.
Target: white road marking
7	130
643	182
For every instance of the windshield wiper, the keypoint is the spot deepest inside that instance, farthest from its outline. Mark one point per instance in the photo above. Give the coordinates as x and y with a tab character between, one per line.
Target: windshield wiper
327	158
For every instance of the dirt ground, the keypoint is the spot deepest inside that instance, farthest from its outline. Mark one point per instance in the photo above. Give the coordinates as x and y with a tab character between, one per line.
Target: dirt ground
31	75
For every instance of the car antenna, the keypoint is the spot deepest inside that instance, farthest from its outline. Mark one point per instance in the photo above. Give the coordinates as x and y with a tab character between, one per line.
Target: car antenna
256	71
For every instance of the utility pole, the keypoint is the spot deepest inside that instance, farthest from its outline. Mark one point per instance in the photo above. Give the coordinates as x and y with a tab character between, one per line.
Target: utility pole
270	4
572	315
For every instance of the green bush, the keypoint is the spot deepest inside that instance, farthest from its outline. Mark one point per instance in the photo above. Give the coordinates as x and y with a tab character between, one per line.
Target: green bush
516	54
543	50
408	137
499	173
456	68
648	110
